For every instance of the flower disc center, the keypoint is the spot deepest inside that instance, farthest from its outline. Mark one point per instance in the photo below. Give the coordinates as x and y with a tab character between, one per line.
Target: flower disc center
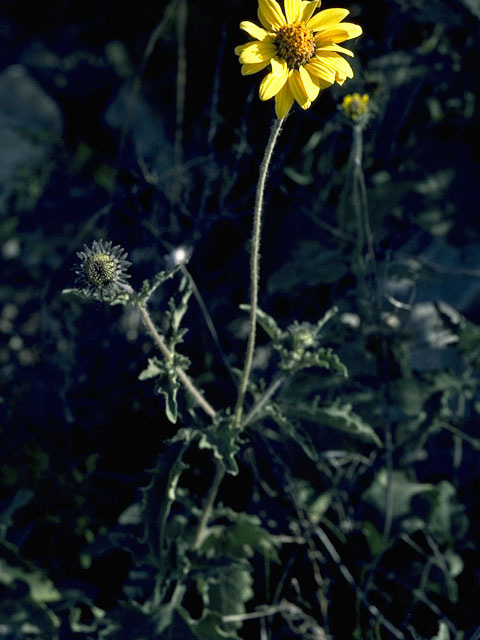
295	43
100	269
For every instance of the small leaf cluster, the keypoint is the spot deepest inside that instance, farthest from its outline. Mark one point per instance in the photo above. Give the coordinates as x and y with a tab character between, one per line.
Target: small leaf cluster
149	287
163	371
299	346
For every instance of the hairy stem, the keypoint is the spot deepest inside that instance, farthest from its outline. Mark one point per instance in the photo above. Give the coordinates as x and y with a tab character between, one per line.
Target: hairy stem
254	267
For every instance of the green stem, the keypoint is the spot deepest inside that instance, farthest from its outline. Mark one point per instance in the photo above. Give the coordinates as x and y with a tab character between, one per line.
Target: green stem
364	228
207	509
184	379
272	389
254	268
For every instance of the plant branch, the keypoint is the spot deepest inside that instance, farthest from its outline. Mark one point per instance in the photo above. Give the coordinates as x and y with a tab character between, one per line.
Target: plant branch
254	267
185	380
271	390
207	509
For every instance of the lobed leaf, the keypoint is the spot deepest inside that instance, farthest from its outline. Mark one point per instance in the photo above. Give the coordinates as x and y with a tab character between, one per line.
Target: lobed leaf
159	496
223	439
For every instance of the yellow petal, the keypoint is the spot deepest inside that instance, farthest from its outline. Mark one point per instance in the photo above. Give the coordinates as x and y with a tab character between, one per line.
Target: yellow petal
271	85
319	70
293	10
283	101
321	84
339	65
253	52
308	9
311	89
327	18
270	14
248	69
254	30
334	47
344	31
297	88
279	66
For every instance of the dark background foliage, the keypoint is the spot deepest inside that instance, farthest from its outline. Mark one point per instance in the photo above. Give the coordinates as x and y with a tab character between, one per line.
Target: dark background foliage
104	137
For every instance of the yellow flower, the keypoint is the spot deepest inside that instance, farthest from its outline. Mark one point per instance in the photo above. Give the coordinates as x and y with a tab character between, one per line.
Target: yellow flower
301	49
356	106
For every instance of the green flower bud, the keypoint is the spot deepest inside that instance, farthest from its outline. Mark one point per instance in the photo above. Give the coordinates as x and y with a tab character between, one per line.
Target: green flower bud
102	270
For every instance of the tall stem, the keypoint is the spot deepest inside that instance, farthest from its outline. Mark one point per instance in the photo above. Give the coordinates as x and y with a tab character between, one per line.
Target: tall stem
254	268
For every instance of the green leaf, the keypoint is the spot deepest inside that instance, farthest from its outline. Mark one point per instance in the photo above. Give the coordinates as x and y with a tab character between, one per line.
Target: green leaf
322	357
229	591
148	287
179	305
443	632
341	416
159	496
165	372
403	490
120	297
239	539
170	394
41	588
314	504
21	617
21	498
209	627
268	324
299	346
473	6
154	368
447	521
297	177
292	429
223	439
225	588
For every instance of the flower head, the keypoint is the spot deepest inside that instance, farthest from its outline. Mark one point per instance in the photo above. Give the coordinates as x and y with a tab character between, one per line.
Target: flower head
102	270
300	48
356	107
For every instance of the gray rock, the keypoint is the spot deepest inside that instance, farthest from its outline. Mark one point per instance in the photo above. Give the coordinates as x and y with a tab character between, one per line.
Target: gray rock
30	124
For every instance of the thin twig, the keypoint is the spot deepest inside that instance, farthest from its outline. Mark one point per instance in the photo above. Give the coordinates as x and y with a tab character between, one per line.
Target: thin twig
254	266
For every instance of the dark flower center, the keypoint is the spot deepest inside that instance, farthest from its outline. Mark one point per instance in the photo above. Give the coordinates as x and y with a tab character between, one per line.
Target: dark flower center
295	43
100	270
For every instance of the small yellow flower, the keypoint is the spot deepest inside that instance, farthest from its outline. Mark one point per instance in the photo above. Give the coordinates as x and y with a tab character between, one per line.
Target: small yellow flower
356	106
301	49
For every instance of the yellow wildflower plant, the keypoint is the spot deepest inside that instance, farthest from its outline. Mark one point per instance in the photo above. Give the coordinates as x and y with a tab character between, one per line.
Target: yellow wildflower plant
301	49
355	106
